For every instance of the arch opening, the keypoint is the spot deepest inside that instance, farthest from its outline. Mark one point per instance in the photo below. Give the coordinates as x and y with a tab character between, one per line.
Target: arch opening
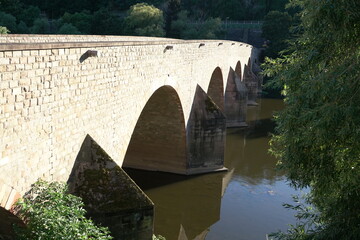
158	142
216	88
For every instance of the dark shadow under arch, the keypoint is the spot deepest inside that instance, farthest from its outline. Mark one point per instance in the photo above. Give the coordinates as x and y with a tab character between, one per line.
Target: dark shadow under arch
238	70
7	220
216	88
158	142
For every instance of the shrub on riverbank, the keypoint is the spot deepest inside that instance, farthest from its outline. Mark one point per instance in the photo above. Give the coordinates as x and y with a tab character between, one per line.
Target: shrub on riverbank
51	213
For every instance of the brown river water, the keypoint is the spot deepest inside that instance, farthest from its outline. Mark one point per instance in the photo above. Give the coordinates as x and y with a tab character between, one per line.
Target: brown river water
244	203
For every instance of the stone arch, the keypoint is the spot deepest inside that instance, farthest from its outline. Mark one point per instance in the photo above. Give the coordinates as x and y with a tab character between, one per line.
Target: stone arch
238	70
216	88
158	142
8	197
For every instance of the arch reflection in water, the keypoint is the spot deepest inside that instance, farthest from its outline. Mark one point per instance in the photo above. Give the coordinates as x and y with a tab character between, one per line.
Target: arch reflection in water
184	205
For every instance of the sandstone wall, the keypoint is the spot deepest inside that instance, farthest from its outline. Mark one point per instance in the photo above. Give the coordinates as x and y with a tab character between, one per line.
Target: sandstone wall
52	96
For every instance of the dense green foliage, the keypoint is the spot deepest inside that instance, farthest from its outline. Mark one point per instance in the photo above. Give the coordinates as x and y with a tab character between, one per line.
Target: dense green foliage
318	132
185	28
232	9
276	29
51	213
4	30
308	221
117	17
144	20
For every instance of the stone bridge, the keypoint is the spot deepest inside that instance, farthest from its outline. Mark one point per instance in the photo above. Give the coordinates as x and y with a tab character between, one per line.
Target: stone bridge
150	103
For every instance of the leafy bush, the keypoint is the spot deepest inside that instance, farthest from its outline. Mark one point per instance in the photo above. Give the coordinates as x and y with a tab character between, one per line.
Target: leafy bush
308	221
51	213
158	237
4	30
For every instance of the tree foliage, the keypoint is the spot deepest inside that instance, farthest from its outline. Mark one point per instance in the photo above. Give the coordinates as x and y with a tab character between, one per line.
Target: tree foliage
9	21
68	28
106	17
276	29
318	132
51	213
4	30
41	26
82	21
186	28
171	14
145	20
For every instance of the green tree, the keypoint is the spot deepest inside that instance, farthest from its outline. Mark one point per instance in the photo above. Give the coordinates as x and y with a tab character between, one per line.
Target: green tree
104	22
41	26
190	29
22	28
51	213
230	10
68	28
13	7
81	20
145	20
4	30
171	12
318	133
8	21
276	29
126	4
29	14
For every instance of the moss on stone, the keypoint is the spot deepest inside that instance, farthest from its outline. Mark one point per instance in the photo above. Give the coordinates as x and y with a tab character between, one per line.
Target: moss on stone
210	105
105	187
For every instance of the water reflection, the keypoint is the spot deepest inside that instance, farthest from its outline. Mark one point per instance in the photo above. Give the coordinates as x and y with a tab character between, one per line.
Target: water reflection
243	203
252	202
185	206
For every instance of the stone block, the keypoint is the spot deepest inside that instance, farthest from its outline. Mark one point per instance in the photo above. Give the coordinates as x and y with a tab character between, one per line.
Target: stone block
16	90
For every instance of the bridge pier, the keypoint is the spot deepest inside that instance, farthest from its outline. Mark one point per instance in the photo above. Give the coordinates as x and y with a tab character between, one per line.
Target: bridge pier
252	84
110	196
235	101
206	134
257	71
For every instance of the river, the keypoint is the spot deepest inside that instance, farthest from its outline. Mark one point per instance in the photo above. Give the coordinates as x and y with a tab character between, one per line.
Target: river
244	203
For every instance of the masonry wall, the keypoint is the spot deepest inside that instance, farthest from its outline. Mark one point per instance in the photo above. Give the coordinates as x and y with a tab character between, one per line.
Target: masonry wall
52	96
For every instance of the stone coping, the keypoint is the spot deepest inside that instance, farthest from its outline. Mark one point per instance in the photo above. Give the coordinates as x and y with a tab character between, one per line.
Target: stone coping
13	42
